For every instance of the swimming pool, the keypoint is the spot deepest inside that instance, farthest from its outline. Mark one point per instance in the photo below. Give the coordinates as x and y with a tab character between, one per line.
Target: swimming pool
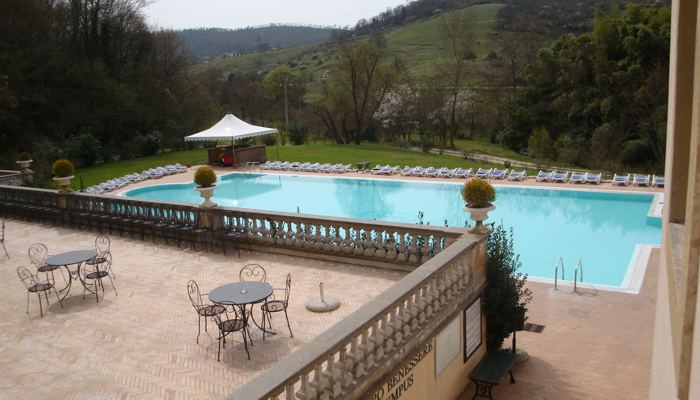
600	228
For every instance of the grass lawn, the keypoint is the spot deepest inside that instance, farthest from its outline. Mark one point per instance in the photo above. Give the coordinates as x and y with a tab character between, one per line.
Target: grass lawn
320	152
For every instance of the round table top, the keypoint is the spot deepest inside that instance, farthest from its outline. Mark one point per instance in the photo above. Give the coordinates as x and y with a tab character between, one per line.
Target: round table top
70	257
241	293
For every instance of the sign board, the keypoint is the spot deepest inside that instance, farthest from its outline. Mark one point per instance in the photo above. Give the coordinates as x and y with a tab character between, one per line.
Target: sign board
401	384
448	345
472	328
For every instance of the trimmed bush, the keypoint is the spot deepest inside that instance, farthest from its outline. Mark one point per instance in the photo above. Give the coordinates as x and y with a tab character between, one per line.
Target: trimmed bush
24	156
478	193
205	176
62	169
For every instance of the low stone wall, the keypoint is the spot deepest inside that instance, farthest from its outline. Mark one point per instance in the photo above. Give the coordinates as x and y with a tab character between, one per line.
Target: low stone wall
11	178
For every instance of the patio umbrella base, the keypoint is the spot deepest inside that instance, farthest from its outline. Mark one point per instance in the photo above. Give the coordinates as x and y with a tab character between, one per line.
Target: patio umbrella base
326	305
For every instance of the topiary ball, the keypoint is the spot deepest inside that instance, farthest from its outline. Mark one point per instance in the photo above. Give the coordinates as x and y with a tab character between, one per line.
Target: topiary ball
24	156
205	176
62	168
478	193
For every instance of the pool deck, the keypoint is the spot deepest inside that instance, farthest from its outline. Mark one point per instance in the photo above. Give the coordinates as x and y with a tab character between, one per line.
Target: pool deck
595	344
141	342
187	177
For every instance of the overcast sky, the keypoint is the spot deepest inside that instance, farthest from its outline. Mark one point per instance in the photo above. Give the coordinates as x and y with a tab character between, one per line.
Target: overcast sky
178	14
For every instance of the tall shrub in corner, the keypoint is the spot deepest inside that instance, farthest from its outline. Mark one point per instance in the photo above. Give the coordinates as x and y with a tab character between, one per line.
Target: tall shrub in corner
505	296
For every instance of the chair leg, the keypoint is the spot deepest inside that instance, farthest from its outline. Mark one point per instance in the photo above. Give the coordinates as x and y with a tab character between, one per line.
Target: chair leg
218	355
57	298
27	302
288	326
245	343
113	287
41	308
5	248
199	327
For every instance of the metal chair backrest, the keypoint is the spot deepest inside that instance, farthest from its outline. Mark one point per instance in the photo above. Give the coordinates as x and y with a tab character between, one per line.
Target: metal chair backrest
195	296
28	279
38	252
105	261
253	272
102	244
287	288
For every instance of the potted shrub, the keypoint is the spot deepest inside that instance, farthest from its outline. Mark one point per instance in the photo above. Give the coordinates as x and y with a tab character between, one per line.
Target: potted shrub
62	173
25	159
478	195
205	177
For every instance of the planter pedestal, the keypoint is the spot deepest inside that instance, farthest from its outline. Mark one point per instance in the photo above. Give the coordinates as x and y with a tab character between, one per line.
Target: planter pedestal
206	193
64	183
479	215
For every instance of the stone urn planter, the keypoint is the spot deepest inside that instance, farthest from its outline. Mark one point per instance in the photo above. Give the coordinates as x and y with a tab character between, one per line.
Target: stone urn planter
24	165
63	182
479	215
206	192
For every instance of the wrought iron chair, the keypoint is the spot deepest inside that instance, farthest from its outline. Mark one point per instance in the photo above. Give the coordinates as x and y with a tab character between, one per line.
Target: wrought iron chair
228	325
252	272
206	310
34	285
97	273
2	239
275	304
102	246
38	253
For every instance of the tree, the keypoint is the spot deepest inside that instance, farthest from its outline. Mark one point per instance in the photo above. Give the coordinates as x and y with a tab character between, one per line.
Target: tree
457	37
505	296
359	82
541	145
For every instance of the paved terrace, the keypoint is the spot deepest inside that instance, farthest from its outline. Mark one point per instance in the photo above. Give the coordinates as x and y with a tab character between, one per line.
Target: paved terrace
141	342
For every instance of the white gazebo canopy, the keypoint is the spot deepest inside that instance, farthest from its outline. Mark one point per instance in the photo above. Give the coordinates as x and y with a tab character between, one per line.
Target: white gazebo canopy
230	128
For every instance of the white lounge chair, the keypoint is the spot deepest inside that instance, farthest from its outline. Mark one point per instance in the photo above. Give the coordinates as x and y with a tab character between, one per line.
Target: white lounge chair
313	167
295	166
593	177
340	168
406	171
641	180
578	177
658	181
388	170
544	176
621	180
377	169
326	168
516	175
418	171
498	173
462	173
431	172
560	177
483	173
445	172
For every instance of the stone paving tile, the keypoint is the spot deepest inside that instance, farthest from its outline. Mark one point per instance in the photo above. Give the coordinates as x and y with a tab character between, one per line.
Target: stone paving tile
141	342
596	344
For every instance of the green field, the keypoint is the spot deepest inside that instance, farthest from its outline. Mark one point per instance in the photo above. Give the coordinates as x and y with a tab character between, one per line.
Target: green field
322	153
416	44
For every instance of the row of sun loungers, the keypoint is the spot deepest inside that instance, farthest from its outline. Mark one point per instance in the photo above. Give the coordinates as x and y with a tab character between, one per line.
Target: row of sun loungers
597	178
153	173
306	167
638	180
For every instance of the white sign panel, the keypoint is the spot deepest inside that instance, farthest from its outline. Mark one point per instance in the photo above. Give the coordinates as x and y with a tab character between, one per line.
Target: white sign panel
472	328
448	345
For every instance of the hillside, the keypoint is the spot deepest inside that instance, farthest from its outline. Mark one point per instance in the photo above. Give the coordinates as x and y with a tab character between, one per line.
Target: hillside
205	43
416	44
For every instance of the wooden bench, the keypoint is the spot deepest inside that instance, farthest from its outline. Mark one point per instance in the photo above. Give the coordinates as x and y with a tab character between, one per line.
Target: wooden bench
490	370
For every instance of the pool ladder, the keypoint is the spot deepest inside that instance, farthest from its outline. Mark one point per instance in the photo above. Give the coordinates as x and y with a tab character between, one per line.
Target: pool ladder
578	272
249	166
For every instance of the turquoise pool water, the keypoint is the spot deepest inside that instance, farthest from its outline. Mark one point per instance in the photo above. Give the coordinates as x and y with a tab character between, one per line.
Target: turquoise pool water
600	228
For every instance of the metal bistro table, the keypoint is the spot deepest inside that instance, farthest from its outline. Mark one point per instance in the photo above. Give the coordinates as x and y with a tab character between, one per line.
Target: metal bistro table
76	257
362	166
242	294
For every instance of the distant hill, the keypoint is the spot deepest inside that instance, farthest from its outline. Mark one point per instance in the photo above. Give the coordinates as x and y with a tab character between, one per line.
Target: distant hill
207	43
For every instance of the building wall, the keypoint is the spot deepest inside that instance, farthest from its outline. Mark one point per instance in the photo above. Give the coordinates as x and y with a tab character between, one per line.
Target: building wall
676	352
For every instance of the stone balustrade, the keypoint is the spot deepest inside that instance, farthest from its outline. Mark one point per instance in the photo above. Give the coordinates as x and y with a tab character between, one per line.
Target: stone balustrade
350	358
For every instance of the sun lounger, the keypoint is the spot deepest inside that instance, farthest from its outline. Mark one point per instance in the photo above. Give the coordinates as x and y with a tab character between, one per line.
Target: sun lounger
621	179
418	171
559	177
326	168
462	173
406	171
578	177
295	166
445	172
544	176
341	168
388	170
592	177
498	173
431	172
658	181
483	173
377	169
315	167
641	180
516	175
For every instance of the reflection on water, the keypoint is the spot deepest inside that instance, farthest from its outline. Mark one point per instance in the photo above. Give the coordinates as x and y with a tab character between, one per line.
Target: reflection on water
599	228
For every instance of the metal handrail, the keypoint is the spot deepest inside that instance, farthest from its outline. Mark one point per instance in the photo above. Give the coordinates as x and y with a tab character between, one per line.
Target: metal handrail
250	164
559	264
579	267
